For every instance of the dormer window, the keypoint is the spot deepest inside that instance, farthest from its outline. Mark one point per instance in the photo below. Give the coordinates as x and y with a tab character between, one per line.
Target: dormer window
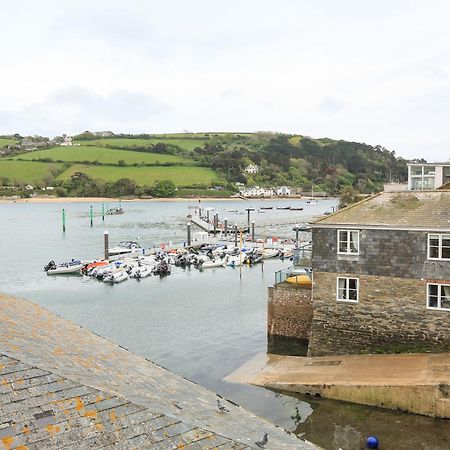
348	242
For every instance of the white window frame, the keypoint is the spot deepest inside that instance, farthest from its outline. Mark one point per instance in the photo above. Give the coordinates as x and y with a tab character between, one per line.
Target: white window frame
440	237
436	308
347	300
348	252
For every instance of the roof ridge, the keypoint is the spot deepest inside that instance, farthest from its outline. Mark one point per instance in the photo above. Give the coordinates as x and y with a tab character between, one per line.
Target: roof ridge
370	197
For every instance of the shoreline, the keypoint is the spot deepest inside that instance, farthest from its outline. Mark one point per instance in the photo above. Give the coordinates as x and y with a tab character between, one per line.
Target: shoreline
7	201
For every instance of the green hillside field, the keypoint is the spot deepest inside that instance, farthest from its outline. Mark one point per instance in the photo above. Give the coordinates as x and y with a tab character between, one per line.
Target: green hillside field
7	141
186	144
146	176
24	171
102	155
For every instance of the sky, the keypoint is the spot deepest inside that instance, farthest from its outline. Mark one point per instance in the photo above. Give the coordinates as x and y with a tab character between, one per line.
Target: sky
369	71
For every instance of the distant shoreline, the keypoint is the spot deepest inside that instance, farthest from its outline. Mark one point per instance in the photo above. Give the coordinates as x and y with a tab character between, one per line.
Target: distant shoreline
111	200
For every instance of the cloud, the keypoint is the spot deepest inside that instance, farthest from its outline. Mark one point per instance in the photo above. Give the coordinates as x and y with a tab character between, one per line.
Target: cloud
75	109
330	105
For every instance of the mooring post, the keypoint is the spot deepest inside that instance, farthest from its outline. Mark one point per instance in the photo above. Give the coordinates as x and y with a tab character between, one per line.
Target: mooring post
296	235
103	211
225	227
91	215
248	218
215	224
189	234
64	220
235	235
106	244
207	215
253	231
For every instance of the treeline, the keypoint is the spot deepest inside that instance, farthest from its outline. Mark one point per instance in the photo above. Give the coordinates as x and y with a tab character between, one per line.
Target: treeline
324	164
82	185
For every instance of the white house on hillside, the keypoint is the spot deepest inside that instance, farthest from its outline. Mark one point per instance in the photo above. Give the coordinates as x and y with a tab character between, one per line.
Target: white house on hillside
284	190
251	168
257	192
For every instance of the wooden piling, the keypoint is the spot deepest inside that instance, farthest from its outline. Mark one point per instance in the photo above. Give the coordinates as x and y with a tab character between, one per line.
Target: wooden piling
106	244
189	234
64	220
235	235
225	226
253	231
91	215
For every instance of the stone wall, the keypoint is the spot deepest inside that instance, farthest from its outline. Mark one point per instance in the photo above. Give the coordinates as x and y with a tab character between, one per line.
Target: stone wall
395	253
391	316
290	311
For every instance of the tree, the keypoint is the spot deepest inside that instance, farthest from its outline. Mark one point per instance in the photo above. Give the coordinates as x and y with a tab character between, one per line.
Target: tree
164	188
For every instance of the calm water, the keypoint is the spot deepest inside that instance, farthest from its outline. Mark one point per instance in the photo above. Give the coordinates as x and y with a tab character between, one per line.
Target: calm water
201	325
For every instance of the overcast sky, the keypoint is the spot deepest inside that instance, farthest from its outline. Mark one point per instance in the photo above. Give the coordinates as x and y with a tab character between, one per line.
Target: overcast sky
370	71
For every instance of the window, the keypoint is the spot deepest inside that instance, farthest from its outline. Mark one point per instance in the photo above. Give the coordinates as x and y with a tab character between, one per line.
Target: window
347	289
348	242
438	296
439	246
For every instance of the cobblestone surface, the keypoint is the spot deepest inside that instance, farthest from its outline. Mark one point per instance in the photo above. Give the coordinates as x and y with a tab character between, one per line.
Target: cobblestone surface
62	386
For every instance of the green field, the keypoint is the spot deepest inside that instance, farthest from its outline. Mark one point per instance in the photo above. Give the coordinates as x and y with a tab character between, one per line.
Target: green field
23	171
187	144
146	176
7	141
100	154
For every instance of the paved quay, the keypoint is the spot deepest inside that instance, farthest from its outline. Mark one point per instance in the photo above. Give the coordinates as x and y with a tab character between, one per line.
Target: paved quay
417	383
62	386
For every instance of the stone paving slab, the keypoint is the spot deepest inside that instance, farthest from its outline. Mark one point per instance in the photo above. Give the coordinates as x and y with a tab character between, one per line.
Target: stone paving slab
62	386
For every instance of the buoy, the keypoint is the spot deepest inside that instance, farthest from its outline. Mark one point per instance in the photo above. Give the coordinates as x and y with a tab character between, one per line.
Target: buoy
372	442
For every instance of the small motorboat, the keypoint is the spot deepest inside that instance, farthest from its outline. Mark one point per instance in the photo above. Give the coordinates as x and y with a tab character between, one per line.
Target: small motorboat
283	207
210	264
125	247
296	209
142	272
116	277
311	202
270	253
73	266
114	211
266	207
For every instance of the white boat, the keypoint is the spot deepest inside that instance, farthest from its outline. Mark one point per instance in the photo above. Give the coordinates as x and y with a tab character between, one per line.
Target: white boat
312	201
217	263
73	266
142	272
269	253
124	248
115	211
116	277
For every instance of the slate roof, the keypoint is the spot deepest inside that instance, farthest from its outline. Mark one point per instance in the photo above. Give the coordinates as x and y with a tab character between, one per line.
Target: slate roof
417	209
62	386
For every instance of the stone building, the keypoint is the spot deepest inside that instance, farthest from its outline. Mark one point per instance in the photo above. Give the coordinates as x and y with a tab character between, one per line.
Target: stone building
382	276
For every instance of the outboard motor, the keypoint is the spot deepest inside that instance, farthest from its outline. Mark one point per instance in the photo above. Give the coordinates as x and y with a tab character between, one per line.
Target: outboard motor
51	265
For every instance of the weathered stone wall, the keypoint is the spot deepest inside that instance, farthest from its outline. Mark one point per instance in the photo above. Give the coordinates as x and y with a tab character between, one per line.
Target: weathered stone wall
290	311
393	253
391	316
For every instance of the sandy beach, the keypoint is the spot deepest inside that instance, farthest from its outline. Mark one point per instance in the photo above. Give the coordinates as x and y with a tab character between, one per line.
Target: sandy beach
107	199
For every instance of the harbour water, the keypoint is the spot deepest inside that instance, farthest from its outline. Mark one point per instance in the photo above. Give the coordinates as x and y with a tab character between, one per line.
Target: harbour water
201	325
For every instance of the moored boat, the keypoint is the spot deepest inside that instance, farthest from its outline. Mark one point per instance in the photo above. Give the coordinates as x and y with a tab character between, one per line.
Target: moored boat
73	266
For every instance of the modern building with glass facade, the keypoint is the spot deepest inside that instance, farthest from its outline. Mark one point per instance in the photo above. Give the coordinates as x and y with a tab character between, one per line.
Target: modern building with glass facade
427	176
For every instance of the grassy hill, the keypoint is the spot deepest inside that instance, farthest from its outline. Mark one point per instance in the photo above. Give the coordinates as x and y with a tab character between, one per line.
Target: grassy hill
197	160
185	144
6	141
146	176
101	155
25	172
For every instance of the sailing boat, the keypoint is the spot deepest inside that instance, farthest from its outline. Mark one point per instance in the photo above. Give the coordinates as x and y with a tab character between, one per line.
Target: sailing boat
312	201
